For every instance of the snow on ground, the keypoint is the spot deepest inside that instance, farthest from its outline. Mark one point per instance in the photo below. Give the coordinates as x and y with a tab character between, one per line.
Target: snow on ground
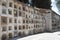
43	36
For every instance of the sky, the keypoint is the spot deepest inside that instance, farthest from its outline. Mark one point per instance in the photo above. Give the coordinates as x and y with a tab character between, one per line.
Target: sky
54	7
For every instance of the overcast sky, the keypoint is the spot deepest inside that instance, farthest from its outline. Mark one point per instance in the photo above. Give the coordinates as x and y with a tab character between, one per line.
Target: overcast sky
54	7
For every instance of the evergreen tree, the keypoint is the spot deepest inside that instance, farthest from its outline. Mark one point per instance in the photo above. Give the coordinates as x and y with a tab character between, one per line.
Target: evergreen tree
39	3
42	3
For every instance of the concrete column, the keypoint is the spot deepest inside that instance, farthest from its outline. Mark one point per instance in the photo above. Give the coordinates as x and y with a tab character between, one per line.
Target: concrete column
0	27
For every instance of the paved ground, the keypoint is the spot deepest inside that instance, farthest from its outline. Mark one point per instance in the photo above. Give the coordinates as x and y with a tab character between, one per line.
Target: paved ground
14	38
43	36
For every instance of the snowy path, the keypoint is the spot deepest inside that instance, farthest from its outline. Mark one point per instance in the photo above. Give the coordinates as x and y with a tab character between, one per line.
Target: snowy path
43	36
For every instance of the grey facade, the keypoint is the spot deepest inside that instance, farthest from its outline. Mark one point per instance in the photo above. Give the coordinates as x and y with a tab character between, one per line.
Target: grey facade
55	21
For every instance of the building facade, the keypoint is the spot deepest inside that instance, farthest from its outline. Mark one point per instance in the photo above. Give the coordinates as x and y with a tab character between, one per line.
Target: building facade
19	19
